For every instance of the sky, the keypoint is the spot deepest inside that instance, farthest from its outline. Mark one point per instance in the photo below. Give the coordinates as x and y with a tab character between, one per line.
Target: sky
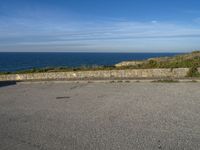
99	25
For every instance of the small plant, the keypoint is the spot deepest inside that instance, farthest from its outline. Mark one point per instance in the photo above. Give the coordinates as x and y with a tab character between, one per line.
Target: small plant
193	71
153	64
166	81
196	52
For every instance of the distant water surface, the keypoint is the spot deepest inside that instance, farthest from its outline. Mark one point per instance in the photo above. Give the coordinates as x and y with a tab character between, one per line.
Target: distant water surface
22	61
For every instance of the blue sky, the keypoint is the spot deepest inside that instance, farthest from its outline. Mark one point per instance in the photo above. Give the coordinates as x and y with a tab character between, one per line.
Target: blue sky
99	25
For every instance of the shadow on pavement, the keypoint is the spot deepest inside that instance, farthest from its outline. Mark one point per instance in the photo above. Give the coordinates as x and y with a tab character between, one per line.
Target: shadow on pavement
7	83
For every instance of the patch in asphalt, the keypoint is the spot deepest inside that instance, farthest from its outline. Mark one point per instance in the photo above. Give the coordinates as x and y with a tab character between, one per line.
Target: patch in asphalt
63	97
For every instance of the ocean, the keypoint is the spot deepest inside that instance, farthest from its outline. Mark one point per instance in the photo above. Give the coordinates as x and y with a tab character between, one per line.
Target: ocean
16	61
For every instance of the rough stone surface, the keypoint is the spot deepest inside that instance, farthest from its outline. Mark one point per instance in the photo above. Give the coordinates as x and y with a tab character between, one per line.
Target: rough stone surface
129	63
128	73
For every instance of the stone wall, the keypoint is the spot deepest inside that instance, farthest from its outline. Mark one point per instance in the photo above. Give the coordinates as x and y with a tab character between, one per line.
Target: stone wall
101	74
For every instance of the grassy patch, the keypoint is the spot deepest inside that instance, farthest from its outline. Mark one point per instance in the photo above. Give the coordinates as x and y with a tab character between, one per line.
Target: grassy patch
166	81
194	81
60	69
176	63
193	72
4	73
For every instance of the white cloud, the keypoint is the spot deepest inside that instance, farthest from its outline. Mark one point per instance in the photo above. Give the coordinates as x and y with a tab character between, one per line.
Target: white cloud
114	34
154	21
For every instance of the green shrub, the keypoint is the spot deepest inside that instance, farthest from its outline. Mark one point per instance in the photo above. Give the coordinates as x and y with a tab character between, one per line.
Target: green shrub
193	72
